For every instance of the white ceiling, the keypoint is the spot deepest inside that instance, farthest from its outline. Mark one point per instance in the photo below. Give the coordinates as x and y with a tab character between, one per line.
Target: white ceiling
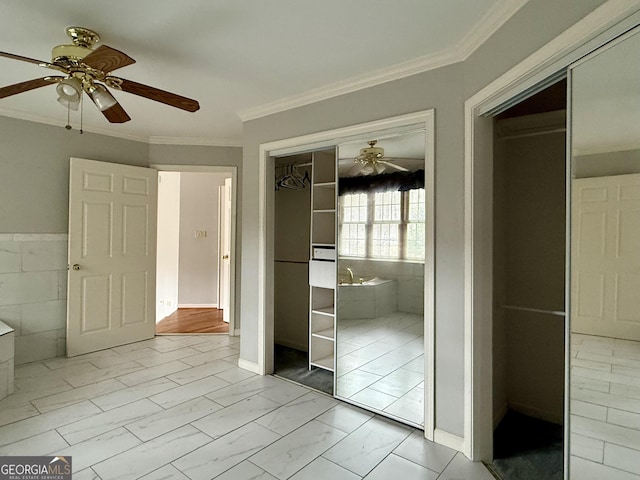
238	58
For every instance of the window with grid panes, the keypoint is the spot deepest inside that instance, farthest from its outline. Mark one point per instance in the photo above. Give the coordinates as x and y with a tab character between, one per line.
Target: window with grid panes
383	225
385	231
414	240
354	214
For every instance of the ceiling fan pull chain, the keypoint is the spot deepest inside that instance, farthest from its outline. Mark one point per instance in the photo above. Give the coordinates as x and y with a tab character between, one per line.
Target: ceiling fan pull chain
68	125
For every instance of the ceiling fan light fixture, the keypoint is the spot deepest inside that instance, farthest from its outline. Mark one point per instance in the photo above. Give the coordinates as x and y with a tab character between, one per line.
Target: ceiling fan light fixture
69	89
100	96
73	105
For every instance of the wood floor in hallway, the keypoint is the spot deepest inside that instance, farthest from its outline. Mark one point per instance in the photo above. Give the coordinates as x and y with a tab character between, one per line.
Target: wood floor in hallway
193	320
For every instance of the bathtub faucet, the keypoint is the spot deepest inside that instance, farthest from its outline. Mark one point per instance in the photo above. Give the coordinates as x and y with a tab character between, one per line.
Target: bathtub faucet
350	275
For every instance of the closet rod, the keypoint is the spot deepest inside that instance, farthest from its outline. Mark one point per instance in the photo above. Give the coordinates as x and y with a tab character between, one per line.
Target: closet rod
535	310
306	164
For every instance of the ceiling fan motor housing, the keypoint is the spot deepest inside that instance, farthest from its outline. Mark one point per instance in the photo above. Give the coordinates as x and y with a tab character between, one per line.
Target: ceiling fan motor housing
370	154
83	40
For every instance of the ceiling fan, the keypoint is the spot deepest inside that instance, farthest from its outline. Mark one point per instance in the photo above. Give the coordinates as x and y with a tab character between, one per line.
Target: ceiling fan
372	160
89	71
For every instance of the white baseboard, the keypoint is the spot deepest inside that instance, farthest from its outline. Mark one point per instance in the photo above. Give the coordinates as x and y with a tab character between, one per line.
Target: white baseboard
236	332
547	416
247	365
198	305
448	440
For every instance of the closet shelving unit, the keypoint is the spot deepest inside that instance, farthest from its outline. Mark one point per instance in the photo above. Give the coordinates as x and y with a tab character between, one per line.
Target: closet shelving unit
322	267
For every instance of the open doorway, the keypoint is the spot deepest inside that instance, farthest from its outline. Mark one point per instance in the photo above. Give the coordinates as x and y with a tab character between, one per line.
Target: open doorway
529	286
196	223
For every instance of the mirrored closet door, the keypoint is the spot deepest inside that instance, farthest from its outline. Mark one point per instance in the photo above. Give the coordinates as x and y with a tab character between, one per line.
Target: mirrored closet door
381	275
604	309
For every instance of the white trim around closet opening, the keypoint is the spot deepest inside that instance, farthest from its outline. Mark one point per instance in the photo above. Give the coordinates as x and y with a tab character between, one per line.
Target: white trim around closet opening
423	120
605	23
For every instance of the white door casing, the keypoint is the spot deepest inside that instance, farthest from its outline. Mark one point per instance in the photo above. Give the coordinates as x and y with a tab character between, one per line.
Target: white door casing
112	255
605	259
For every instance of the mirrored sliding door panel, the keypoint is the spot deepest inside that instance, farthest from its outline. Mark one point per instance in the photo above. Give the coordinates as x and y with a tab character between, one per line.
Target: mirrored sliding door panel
381	275
604	323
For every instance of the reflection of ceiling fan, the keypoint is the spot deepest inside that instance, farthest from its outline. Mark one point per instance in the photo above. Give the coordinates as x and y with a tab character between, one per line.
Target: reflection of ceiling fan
372	160
90	70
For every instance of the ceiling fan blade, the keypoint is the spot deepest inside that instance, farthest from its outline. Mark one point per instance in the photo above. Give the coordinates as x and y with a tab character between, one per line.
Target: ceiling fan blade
158	95
22	59
393	165
116	114
107	59
26	86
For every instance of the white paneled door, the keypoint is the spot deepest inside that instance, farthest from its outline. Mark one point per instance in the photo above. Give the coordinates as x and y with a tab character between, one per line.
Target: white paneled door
112	255
605	262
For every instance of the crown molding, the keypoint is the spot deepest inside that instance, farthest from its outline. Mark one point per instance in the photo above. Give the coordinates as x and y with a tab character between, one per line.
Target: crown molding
153	140
485	27
353	84
194	141
495	18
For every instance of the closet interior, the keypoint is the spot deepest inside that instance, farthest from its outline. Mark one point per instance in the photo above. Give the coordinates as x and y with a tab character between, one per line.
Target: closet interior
305	268
529	286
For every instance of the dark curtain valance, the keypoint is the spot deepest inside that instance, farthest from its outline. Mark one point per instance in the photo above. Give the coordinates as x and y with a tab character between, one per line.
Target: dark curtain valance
401	181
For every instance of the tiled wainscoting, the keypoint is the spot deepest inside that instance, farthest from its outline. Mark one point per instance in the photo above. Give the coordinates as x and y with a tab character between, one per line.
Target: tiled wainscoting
33	292
605	408
409	279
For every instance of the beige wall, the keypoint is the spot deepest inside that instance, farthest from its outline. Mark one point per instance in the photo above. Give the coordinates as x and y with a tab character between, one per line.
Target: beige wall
606	164
34	171
198	263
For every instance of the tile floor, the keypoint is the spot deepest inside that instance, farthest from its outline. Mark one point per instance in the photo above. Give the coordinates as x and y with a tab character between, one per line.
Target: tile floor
381	364
178	407
605	408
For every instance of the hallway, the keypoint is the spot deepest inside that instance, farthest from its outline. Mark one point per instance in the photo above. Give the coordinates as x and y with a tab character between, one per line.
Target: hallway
193	320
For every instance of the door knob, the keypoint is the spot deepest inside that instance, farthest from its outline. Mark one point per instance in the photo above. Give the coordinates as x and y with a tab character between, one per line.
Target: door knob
76	266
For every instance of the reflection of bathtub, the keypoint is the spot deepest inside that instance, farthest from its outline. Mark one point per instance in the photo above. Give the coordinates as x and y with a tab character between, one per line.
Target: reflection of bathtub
370	299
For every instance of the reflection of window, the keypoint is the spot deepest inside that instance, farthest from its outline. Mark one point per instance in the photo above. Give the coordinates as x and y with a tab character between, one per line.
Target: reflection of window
383	225
415	225
354	221
385	238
